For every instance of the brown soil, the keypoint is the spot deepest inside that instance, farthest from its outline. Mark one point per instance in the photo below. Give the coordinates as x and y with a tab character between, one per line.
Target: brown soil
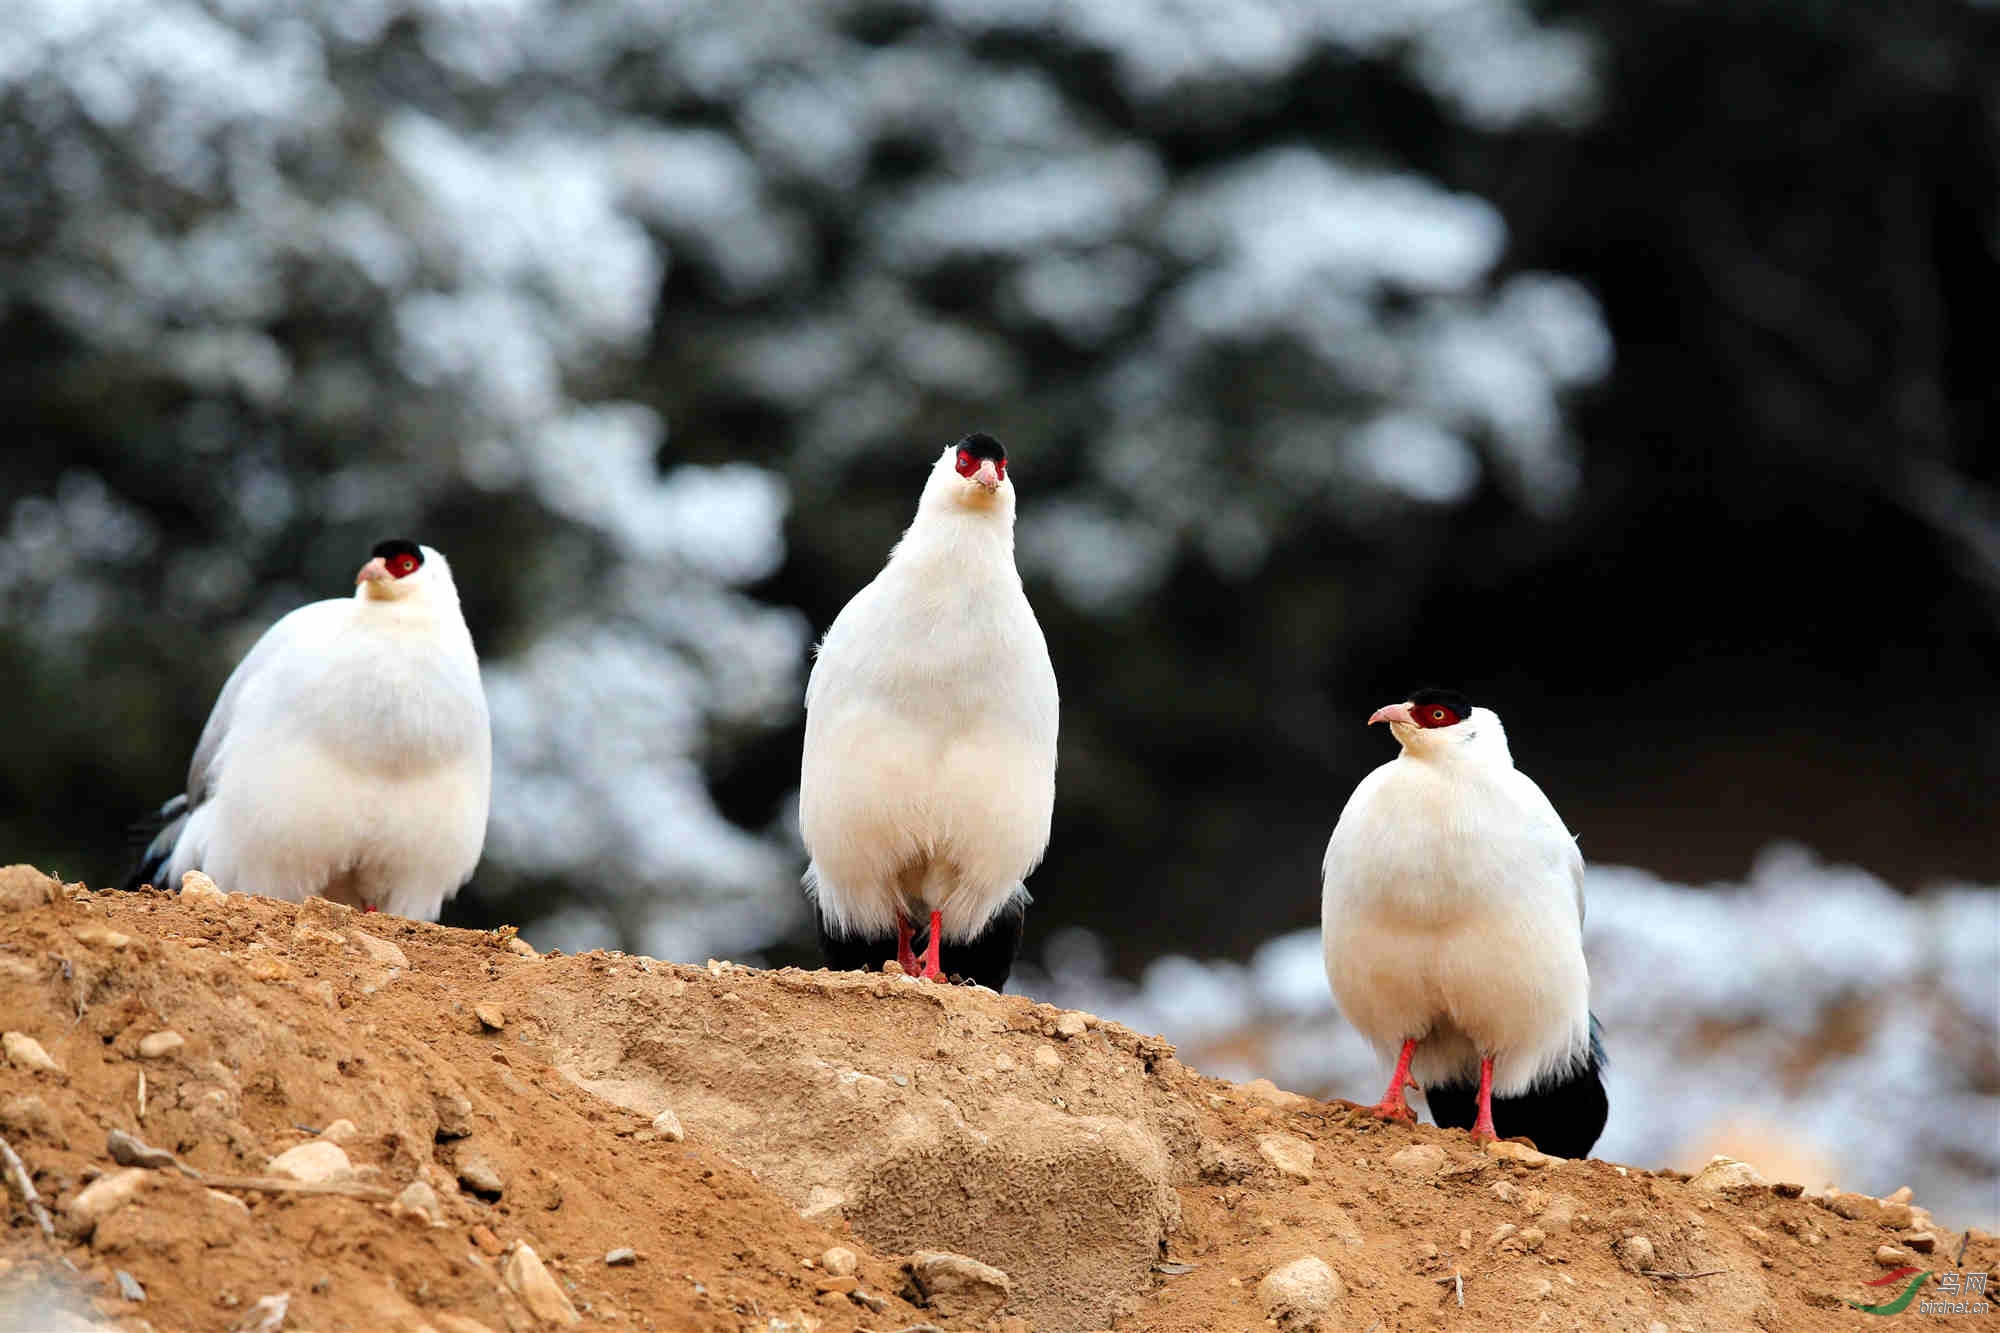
1117	1187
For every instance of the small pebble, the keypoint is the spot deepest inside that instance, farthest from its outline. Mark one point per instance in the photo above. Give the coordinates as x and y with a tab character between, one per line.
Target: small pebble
491	1016
419	1200
1070	1025
341	1131
1635	1253
840	1261
26	1053
194	884
668	1126
128	1286
160	1045
480	1176
621	1258
488	1243
1302	1291
530	1280
312	1163
1419	1159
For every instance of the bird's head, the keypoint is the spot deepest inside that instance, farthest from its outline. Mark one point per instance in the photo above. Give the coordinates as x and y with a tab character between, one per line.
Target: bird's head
399	571
972	475
1441	723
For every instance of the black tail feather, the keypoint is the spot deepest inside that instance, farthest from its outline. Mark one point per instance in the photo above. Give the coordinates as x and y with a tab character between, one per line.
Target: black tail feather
987	958
1564	1118
152	841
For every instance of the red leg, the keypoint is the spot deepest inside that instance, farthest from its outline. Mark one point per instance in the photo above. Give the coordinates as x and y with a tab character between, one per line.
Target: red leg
370	907
1482	1124
931	970
904	954
1393	1106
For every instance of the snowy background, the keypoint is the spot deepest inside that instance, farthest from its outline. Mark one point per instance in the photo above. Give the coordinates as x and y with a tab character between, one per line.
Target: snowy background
1339	347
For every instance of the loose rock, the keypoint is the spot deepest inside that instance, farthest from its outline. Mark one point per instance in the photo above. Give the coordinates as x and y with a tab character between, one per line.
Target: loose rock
24	887
840	1261
103	1197
102	937
1726	1173
668	1126
958	1287
491	1016
128	1286
1292	1157
24	1052
1269	1093
194	884
1070	1025
313	1163
454	1113
129	1151
479	1175
1518	1152
1046	1058
160	1045
341	1131
1635	1253
1893	1256
529	1279
381	952
31	1115
418	1200
623	1257
1419	1159
1302	1293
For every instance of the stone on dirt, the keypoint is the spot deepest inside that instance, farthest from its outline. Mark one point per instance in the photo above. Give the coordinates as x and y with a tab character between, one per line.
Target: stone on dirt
958	1287
312	1163
24	1052
528	1278
1302	1293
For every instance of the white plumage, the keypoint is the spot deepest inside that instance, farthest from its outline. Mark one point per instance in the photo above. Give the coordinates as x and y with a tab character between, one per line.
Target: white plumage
349	754
928	779
1452	916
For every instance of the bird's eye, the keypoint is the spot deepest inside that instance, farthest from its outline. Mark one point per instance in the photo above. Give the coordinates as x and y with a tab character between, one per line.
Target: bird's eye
967	464
1437	715
1000	468
403	566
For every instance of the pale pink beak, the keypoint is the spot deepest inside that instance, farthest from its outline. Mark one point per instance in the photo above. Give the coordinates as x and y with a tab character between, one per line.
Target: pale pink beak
375	571
1393	713
988	475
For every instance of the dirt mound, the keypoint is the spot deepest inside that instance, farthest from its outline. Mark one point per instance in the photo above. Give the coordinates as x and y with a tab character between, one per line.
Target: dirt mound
504	1119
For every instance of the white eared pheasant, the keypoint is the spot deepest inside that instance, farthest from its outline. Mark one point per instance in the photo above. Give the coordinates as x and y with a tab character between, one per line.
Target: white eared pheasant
349	755
1452	917
928	779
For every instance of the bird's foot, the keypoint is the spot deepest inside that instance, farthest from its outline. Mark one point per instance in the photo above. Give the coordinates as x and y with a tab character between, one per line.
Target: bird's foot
905	956
370	907
1393	1106
1482	1123
929	962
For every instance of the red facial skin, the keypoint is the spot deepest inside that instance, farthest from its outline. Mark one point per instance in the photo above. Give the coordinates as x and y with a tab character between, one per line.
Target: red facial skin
402	566
1434	715
967	464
